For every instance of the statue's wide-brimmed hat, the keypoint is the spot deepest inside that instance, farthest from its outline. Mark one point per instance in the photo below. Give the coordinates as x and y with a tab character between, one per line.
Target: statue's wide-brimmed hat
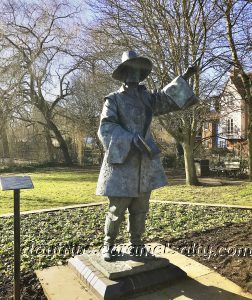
131	59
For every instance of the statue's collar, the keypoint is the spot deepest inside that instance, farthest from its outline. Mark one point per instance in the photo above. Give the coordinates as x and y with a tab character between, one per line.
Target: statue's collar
124	88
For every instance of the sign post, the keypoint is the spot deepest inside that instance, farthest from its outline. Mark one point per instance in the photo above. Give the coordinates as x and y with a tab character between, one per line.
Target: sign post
16	183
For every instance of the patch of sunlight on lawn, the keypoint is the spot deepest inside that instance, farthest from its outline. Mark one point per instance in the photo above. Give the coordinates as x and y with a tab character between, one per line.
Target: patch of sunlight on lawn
229	194
54	188
69	187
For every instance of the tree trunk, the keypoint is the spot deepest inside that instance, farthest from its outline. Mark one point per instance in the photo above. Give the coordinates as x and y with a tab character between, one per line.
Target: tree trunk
49	145
80	148
62	142
6	148
250	140
191	177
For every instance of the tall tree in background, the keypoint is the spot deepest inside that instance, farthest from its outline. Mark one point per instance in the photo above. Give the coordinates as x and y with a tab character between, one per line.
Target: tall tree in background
43	36
9	82
172	33
6	110
234	36
85	105
44	45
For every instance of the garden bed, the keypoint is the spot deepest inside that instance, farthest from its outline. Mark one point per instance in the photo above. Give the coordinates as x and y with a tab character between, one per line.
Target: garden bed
51	238
227	249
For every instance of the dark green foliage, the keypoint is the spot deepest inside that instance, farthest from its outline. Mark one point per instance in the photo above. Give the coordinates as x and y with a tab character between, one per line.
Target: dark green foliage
70	231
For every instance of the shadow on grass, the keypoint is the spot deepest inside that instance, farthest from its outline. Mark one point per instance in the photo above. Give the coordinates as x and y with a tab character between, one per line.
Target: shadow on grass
206	182
41	203
70	179
220	183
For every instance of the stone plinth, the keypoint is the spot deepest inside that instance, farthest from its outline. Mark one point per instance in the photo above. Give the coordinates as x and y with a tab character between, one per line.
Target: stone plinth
125	275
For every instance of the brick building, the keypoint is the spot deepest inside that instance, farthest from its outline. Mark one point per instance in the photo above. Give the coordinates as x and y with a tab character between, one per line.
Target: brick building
227	123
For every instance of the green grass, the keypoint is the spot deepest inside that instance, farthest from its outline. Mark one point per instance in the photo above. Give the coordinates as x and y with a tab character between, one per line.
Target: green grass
54	188
67	229
63	188
227	194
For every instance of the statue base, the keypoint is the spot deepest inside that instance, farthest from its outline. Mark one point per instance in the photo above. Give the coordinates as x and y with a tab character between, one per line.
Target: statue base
124	275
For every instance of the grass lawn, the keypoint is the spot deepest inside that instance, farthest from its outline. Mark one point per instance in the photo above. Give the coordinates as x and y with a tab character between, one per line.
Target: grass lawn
227	194
62	188
54	188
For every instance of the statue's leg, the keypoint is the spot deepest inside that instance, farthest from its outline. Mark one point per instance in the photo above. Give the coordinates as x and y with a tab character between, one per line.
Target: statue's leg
115	216
138	209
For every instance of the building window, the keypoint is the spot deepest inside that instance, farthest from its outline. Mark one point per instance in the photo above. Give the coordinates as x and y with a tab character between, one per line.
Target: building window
230	125
222	144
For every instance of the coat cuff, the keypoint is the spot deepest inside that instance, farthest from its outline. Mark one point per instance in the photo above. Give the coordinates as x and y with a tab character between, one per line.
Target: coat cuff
119	146
180	92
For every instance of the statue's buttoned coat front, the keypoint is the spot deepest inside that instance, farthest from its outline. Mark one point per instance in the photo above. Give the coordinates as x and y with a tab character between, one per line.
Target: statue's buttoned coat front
125	172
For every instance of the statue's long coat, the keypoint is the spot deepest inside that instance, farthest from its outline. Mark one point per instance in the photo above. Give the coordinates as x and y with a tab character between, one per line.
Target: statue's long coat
125	172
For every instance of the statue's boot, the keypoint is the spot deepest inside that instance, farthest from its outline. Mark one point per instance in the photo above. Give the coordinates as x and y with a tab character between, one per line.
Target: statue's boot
112	224
136	227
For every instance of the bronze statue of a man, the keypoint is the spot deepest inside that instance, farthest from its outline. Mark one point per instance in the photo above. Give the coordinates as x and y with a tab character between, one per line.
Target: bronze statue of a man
131	168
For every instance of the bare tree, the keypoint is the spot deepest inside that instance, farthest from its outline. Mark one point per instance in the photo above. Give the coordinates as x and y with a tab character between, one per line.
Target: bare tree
233	50
8	102
42	35
86	103
173	33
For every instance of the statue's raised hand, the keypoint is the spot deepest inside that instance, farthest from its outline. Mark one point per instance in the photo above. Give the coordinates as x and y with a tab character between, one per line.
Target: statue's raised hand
192	69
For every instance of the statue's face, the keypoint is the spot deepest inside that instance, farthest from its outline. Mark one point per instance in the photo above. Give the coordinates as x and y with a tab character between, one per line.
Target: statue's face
132	75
